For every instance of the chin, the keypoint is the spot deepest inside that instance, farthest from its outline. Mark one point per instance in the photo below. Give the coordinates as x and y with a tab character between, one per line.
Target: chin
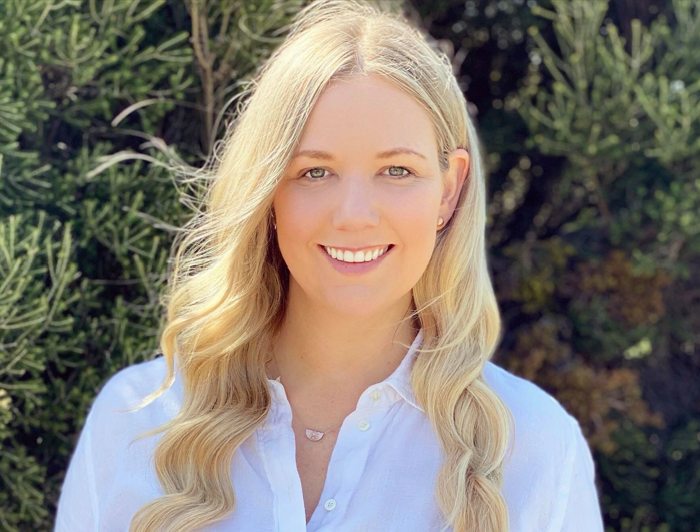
362	304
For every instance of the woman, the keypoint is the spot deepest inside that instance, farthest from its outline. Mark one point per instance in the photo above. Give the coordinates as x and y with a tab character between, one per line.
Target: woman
330	324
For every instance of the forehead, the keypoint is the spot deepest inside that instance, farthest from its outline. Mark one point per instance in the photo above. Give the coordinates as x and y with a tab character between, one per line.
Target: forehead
364	113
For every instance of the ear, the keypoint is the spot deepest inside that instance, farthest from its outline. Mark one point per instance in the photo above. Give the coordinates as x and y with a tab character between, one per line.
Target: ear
453	180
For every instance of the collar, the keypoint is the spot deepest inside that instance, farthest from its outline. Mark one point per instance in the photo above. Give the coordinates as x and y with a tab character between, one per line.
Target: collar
400	379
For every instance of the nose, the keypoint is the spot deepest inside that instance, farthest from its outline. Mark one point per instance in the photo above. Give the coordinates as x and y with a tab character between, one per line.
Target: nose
355	206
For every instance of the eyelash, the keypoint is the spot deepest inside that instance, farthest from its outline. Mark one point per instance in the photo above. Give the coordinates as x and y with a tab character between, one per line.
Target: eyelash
409	174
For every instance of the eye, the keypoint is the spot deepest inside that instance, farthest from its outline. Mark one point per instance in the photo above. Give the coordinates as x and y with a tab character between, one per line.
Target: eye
319	173
407	174
314	177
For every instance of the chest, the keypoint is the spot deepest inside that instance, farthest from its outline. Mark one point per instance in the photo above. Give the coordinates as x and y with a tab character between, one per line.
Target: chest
312	460
375	471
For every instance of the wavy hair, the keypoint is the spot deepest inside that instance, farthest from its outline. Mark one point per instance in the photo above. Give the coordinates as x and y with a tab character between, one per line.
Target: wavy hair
228	282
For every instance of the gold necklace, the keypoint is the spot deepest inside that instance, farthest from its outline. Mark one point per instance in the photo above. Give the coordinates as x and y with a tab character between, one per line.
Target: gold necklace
311	434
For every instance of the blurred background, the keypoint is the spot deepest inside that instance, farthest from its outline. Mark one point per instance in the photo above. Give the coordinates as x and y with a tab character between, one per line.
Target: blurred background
589	114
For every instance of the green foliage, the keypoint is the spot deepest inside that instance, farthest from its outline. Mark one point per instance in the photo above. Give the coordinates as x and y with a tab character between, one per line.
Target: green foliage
621	117
84	241
608	105
35	271
652	482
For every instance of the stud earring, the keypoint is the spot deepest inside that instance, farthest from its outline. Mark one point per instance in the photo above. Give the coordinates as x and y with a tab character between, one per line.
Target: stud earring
440	221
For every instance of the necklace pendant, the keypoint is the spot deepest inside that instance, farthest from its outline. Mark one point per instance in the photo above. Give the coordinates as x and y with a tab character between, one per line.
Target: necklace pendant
313	435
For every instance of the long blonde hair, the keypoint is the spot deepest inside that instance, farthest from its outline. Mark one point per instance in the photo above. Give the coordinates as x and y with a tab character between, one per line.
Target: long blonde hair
228	284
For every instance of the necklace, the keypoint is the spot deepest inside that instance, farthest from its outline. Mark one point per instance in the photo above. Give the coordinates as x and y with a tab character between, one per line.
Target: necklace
311	434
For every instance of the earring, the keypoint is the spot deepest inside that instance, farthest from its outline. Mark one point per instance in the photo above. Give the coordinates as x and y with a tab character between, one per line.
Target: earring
274	222
440	221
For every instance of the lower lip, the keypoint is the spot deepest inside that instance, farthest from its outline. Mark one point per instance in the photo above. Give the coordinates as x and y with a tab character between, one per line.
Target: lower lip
351	268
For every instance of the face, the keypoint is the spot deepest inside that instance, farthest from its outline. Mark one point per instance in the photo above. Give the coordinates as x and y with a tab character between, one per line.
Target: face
365	178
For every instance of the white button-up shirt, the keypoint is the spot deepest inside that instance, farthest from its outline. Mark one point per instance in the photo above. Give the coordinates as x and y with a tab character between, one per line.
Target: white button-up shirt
381	474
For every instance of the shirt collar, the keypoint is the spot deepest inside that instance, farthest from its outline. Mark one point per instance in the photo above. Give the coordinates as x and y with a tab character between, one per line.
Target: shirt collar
400	379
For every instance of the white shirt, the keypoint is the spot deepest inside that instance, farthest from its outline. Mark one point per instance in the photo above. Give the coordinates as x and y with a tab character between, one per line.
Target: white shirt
381	475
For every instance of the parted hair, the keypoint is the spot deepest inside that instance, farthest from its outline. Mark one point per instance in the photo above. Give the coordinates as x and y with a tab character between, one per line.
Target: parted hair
227	285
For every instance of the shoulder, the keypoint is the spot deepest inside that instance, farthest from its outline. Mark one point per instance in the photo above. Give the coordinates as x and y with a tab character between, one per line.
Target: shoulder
542	424
129	385
524	397
116	403
549	475
136	379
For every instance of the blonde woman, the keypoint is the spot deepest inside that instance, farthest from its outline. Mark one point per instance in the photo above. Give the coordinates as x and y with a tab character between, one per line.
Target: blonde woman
330	324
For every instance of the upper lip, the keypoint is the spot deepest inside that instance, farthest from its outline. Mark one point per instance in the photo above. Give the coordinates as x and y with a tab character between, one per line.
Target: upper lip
350	248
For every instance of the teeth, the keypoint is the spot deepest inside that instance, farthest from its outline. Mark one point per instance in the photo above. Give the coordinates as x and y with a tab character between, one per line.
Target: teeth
357	256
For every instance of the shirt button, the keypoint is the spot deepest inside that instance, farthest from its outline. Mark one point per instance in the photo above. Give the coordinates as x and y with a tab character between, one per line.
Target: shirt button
363	425
376	394
329	504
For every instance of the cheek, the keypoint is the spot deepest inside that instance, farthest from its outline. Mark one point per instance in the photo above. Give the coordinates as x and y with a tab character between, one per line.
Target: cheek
415	216
415	225
297	217
292	211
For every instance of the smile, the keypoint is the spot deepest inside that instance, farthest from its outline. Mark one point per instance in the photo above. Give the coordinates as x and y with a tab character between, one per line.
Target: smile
362	255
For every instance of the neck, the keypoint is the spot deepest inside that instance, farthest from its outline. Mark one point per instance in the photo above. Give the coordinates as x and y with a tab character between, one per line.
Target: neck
321	353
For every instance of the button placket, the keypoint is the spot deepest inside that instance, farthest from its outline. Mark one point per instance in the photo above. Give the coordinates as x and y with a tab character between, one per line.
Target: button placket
278	455
352	447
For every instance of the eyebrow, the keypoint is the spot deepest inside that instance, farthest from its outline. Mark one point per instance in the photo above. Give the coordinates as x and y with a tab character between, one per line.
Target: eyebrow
318	154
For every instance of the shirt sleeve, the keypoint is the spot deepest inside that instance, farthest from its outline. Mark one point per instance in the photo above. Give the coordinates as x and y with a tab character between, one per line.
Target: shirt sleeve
582	512
77	503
